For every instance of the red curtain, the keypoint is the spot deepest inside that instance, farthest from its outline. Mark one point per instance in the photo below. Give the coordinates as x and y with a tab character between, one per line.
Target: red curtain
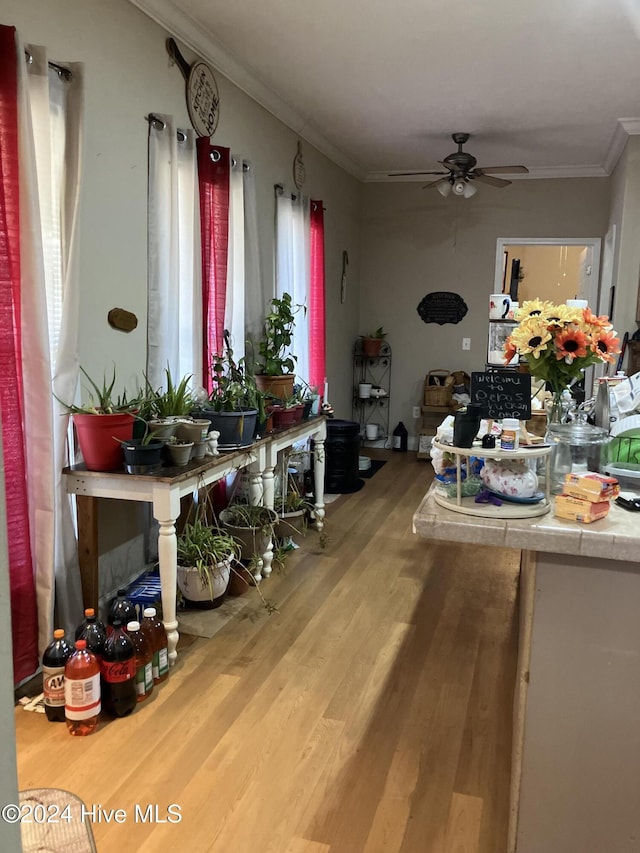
24	621
214	168
317	351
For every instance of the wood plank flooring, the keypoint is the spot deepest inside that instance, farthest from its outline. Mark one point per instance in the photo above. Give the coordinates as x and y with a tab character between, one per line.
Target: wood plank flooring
371	713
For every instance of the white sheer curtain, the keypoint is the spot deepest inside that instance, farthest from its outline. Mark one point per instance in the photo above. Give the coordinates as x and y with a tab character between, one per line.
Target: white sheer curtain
234	304
174	319
292	268
255	299
51	110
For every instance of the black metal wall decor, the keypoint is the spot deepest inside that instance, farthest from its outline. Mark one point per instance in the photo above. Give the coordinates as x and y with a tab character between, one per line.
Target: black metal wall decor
442	307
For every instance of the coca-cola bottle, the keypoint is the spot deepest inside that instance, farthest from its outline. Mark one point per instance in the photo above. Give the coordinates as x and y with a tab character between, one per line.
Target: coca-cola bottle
144	670
154	629
89	611
121	608
93	631
82	691
54	659
118	671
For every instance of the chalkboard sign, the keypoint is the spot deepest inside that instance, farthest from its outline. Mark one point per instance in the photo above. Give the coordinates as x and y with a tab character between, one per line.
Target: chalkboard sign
442	307
503	393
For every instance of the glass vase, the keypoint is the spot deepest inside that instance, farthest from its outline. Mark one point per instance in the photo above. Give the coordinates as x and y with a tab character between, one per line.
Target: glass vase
556	409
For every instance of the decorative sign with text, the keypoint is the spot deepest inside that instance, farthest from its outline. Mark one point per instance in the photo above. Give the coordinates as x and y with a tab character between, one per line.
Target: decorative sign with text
503	393
442	307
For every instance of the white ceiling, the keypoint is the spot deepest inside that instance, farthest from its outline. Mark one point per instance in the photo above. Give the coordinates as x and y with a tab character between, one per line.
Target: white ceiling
380	86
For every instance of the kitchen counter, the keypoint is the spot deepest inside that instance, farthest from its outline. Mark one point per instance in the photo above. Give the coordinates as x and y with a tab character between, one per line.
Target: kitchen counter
575	782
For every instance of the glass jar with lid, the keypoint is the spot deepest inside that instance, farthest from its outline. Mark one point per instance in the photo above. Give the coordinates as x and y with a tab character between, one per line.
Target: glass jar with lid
577	448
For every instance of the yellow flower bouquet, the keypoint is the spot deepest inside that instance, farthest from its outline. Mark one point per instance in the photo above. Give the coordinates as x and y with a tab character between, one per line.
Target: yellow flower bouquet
558	342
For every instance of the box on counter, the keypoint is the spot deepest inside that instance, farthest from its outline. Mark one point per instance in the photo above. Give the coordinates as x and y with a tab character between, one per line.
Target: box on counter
591	486
580	509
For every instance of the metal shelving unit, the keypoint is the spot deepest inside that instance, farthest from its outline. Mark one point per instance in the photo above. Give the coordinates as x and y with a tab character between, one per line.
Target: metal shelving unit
375	370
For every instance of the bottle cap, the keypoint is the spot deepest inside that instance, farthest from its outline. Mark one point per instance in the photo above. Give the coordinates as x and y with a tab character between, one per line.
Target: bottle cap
149	611
133	626
58	633
81	645
89	611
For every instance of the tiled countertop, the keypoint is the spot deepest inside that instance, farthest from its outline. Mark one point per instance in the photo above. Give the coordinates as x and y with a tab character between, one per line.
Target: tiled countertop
616	537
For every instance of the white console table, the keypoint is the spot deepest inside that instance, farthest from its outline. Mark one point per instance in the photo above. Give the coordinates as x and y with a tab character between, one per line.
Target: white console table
164	490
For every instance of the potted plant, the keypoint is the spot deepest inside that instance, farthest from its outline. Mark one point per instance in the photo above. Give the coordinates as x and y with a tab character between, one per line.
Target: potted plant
276	374
142	454
102	423
252	527
235	403
179	450
372	343
204	563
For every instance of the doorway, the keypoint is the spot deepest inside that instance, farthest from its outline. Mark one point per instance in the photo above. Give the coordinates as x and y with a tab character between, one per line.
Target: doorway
556	269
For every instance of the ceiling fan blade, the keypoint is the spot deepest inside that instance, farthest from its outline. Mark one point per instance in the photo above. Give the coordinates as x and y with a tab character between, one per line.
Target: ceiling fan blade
489	179
399	174
504	170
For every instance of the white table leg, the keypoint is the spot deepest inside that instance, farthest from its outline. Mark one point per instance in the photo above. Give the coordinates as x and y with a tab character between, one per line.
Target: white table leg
318	480
166	510
268	488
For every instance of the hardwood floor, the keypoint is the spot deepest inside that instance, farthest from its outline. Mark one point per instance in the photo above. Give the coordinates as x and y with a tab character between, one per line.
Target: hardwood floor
371	713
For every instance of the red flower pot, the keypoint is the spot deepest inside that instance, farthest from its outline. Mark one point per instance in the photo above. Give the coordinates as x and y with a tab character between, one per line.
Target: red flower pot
99	437
283	418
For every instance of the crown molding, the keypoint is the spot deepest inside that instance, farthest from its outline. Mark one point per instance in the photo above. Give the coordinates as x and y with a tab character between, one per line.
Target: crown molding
187	31
624	128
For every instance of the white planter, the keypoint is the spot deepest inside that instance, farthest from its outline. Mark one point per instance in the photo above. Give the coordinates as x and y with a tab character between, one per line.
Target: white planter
364	390
193	589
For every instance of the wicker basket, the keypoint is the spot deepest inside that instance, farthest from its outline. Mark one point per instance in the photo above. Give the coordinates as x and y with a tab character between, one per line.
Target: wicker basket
438	388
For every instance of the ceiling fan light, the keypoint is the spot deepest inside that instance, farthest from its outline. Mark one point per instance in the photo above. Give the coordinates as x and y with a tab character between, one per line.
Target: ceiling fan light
443	187
469	190
459	187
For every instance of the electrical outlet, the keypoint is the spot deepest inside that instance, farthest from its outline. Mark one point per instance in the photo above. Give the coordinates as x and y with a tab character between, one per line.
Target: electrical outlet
416	411
466	343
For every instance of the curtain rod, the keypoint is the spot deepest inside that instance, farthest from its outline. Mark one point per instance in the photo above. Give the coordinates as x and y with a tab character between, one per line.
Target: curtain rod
280	191
159	124
63	72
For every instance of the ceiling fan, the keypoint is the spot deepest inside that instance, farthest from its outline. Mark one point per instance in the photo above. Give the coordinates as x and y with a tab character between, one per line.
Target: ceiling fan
462	170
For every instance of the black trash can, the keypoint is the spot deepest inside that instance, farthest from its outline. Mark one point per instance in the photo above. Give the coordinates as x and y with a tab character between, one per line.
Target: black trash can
342	449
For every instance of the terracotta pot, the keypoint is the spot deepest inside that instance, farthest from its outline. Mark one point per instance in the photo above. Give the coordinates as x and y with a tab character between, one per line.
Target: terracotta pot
100	437
371	346
280	387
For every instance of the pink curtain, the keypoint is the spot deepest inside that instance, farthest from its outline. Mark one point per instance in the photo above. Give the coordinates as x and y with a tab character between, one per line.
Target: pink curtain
24	619
317	356
214	168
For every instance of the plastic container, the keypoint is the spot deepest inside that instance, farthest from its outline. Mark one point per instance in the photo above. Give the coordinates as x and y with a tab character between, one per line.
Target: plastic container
144	654
118	673
82	691
54	660
509	434
155	631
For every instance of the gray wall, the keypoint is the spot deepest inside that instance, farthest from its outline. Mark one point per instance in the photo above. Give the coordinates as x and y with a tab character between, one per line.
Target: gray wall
415	242
128	75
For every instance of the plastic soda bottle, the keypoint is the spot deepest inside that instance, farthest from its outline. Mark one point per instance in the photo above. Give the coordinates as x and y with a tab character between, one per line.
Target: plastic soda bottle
82	691
154	629
93	631
54	660
89	611
118	673
121	608
144	670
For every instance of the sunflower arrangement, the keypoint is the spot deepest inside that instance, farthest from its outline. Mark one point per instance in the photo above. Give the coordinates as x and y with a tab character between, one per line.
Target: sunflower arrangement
558	342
